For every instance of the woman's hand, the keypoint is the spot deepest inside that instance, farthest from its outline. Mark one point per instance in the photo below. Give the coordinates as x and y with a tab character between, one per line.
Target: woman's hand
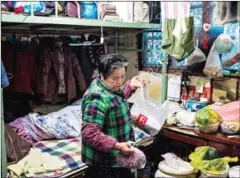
136	82
124	148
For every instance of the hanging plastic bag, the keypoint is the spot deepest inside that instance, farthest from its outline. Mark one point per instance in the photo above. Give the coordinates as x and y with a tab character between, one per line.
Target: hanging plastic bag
197	56
223	44
149	116
207	116
213	66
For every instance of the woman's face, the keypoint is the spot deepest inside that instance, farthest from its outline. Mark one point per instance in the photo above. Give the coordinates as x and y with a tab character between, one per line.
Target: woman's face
116	79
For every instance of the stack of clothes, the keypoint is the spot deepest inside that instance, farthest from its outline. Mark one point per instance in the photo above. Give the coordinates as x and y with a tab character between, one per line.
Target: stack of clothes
108	12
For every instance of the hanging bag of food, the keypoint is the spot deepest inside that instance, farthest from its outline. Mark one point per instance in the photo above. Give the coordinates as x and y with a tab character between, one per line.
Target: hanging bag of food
214	67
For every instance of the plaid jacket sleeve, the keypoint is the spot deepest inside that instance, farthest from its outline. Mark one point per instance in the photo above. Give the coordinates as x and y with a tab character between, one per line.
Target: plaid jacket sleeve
127	90
93	136
93	119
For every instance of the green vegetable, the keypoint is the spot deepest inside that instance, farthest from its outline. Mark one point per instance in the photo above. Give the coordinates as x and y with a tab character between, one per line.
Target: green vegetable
211	154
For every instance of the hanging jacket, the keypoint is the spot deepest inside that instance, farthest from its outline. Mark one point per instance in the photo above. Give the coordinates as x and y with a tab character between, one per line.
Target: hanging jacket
73	75
20	62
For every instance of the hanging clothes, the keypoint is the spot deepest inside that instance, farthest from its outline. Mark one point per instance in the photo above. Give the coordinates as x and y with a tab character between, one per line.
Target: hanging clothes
21	63
25	84
62	85
85	63
181	45
88	57
72	74
178	29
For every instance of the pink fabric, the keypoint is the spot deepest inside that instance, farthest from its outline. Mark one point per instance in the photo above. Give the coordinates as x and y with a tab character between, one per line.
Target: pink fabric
137	160
25	128
171	10
230	111
92	135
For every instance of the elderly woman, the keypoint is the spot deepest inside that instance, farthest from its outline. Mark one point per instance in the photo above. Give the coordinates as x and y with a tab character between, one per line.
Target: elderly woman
106	126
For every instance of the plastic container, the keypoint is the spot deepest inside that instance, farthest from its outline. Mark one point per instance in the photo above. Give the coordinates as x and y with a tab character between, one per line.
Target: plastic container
213	128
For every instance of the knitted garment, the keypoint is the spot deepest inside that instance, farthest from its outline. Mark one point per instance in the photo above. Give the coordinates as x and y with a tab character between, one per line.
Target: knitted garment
136	160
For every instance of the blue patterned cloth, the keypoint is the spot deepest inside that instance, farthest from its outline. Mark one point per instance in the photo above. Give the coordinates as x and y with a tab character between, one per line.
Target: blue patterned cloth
62	124
232	29
153	43
196	12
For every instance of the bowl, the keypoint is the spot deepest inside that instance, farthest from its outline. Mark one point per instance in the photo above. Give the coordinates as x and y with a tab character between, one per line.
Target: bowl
212	128
225	129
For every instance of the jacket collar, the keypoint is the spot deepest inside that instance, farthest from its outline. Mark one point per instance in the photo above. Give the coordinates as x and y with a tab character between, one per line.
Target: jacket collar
104	86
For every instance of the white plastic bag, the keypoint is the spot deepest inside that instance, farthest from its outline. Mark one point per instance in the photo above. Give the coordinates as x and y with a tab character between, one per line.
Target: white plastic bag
177	163
149	116
186	118
213	66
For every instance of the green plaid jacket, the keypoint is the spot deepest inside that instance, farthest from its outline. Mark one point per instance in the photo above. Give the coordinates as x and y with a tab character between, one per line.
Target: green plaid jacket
110	110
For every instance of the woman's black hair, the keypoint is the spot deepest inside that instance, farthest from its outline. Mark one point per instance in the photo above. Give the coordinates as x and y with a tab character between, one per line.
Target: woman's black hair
110	62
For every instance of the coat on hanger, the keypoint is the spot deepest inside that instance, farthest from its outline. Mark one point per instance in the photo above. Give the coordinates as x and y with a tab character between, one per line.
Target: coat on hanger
73	76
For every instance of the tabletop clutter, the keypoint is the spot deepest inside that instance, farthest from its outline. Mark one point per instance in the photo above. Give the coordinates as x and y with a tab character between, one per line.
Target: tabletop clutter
196	115
207	118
